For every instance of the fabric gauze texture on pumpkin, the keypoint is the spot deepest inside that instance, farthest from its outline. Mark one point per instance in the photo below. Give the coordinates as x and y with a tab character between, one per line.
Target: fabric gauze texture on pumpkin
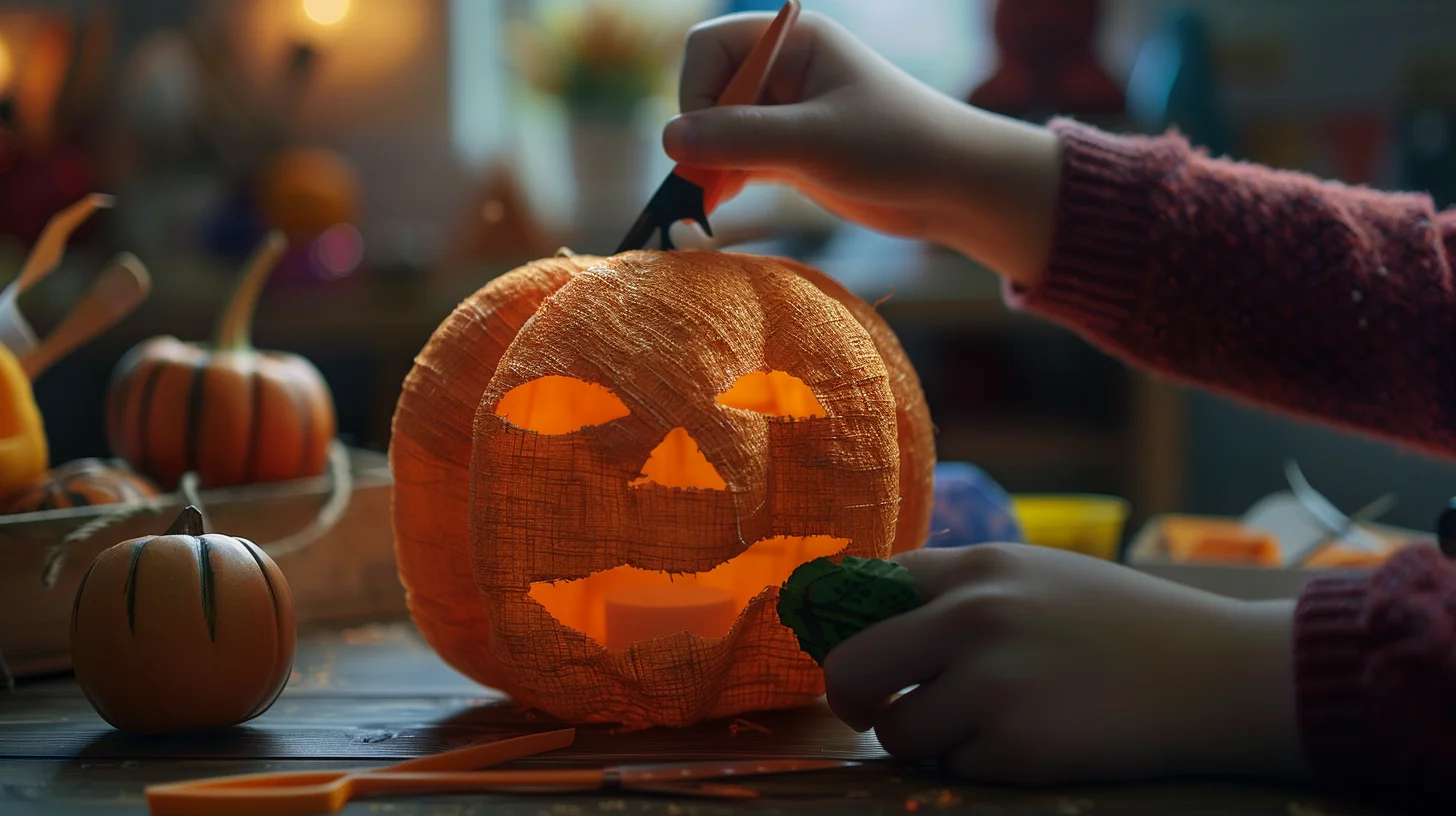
667	334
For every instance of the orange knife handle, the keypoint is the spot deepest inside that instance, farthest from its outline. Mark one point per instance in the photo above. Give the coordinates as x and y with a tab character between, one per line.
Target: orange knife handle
746	86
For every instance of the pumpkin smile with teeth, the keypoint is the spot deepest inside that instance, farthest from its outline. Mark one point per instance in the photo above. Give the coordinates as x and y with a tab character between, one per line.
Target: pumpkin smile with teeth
604	469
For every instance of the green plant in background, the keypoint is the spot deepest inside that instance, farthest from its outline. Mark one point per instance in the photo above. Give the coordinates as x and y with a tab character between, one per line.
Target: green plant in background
602	60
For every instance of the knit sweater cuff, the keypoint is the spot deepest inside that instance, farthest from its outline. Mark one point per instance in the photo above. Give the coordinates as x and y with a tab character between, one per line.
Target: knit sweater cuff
1099	259
1330	623
1370	666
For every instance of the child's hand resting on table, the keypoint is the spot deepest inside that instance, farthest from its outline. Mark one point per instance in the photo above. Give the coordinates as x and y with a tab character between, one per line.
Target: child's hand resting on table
870	143
1038	665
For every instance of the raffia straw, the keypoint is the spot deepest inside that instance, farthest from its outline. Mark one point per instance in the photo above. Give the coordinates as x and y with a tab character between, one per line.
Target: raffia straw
331	511
55	558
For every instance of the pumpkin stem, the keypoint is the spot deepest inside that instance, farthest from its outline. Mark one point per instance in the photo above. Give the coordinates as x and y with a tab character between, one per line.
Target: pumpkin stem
188	523
565	252
234	330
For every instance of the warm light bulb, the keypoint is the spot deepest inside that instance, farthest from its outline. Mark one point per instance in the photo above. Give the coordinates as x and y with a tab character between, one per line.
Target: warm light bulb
326	12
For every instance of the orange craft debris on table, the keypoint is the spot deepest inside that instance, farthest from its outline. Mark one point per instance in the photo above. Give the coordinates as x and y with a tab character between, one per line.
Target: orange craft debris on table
584	435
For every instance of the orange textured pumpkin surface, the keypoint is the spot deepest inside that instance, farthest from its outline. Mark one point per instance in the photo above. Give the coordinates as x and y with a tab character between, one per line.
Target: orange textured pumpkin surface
82	483
182	631
232	413
604	467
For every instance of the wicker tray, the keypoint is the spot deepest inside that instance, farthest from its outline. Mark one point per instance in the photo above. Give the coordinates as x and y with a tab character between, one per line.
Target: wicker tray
346	573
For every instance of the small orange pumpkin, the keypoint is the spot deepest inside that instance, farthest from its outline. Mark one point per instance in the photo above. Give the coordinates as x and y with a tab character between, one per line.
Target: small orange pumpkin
305	190
182	631
233	414
604	467
81	483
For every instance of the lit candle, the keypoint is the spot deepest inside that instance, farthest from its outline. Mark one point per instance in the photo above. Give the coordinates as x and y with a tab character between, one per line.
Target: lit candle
642	613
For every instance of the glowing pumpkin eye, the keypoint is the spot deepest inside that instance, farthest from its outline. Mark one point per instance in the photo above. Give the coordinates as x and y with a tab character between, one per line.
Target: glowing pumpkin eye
775	393
559	405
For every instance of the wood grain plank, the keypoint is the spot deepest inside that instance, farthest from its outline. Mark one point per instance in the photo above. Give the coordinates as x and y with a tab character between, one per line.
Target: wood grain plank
395	729
372	695
379	692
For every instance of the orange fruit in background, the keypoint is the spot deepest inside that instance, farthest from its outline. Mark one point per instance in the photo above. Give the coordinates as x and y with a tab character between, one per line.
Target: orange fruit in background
304	191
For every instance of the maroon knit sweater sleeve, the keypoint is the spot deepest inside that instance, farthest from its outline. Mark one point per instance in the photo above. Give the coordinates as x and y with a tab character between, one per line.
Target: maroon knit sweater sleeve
1375	676
1314	298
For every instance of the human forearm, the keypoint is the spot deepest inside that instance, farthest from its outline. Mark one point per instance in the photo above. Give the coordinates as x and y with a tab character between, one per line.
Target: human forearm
998	182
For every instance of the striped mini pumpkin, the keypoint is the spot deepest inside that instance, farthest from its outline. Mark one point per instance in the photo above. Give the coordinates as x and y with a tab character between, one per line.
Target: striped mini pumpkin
81	483
234	417
187	631
231	413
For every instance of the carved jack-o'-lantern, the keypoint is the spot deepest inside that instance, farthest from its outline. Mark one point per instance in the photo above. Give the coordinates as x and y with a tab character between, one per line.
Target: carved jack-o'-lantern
605	467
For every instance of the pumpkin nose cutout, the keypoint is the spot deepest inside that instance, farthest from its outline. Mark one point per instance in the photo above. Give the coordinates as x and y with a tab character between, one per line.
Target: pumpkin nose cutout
677	461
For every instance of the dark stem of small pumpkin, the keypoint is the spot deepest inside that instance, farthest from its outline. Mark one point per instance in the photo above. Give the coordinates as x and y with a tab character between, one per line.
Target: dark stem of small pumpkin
188	523
234	329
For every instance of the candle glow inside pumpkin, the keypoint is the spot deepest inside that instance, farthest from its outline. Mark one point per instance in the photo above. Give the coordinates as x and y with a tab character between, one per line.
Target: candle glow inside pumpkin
557	404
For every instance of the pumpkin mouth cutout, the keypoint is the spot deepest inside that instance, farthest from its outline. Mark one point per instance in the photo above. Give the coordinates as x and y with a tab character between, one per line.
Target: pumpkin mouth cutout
625	605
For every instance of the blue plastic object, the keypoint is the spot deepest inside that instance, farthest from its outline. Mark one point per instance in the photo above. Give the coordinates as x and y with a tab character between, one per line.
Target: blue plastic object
970	508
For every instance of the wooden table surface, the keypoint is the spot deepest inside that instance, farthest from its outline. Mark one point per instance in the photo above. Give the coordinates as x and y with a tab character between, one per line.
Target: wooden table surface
373	695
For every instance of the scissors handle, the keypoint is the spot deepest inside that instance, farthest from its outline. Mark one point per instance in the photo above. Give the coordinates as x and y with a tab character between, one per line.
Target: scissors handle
307	792
744	88
487	754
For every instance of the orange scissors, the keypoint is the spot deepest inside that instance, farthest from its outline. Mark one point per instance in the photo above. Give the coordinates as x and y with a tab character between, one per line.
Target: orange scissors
309	792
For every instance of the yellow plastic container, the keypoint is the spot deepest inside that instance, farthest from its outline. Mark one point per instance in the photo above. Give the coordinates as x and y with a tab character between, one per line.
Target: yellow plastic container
1087	524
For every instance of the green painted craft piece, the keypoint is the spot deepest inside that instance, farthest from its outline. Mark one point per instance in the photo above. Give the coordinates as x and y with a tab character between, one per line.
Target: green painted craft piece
827	603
